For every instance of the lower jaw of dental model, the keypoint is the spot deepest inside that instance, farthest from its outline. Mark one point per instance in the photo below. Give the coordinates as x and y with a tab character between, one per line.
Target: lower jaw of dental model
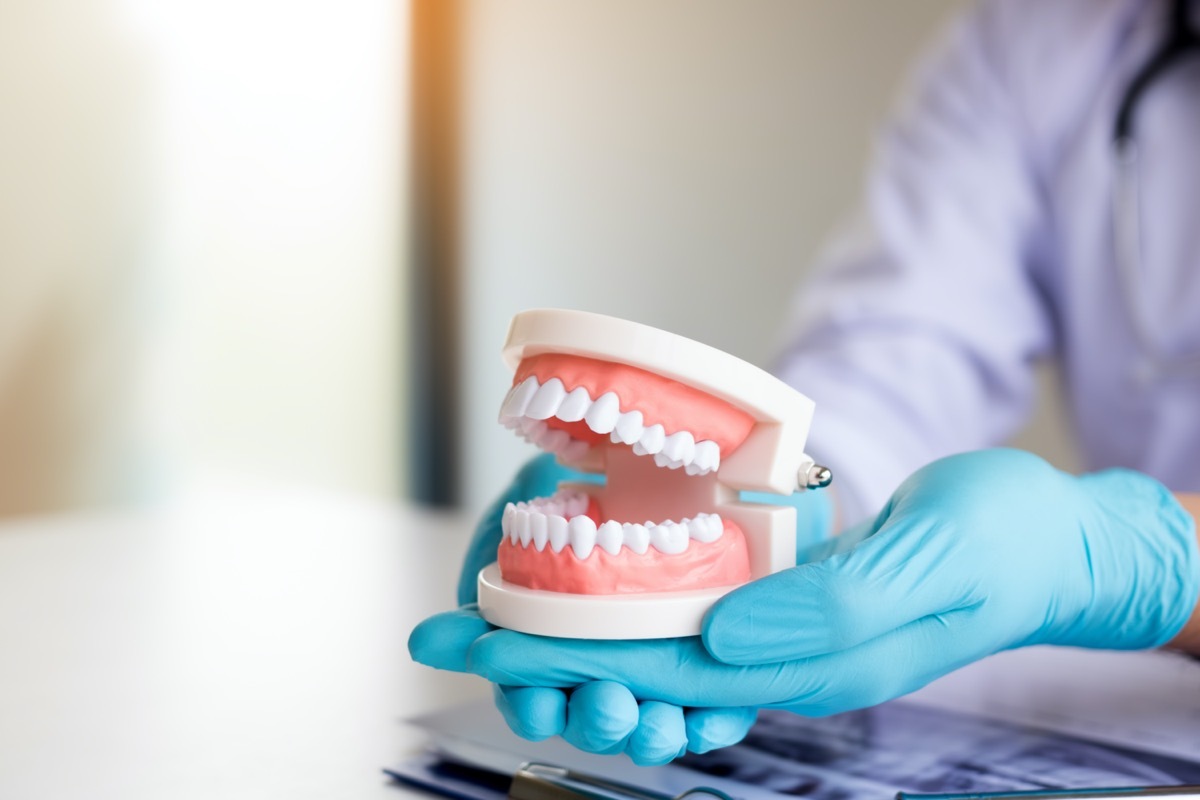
654	526
555	544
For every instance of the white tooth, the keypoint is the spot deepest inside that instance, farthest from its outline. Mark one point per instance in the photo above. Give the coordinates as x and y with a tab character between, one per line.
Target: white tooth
691	525
507	399
575	405
547	400
629	427
702	528
638	450
556	532
694	469
662	461
609	536
680	446
574	450
669	537
717	526
518	399
520	526
511	533
708	454
652	440
537	524
637	538
582	534
602	416
681	535
512	423
615	437
506	521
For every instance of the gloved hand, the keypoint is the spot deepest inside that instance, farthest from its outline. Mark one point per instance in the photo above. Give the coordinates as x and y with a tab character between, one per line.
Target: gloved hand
605	717
973	554
596	715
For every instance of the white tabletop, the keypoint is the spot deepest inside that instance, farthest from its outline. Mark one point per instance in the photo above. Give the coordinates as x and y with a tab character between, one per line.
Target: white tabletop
236	645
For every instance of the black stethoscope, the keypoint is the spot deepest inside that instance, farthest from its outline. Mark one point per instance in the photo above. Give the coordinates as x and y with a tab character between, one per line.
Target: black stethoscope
1182	40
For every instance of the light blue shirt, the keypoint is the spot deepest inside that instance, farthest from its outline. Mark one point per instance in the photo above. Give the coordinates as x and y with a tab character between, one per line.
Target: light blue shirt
986	242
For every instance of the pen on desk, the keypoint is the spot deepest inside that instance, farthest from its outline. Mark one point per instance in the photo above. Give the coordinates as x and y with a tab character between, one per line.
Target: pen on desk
1111	793
534	781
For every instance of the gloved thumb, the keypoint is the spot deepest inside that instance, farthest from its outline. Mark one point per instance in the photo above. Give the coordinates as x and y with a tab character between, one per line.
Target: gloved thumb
832	605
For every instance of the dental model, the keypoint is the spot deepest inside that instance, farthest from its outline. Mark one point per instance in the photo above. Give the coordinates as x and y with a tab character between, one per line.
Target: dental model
678	428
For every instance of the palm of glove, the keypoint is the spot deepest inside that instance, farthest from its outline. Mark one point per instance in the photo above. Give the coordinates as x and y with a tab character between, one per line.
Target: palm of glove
973	554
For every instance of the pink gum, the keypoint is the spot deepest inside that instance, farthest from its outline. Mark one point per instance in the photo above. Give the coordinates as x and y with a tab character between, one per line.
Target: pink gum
666	402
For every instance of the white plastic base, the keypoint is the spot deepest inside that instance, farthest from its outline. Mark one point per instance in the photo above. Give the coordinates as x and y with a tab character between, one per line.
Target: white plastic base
657	615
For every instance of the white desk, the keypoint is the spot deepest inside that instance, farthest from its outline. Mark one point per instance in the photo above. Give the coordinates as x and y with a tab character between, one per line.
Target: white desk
238	645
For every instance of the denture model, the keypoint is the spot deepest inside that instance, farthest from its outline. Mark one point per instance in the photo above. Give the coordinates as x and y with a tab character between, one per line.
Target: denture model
678	428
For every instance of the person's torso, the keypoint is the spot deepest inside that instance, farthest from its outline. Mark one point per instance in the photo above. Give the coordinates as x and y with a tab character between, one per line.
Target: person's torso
1134	383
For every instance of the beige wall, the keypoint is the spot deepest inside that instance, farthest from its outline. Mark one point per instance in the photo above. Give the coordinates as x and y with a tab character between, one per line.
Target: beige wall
677	162
72	190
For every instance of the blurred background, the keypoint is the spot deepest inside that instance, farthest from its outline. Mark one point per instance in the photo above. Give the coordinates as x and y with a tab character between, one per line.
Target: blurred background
280	242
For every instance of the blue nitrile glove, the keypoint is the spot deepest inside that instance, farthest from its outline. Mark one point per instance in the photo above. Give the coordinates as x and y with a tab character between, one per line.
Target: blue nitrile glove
538	478
605	717
973	554
599	716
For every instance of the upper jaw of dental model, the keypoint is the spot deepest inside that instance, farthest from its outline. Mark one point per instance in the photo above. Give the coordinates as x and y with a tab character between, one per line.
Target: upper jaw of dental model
569	421
580	541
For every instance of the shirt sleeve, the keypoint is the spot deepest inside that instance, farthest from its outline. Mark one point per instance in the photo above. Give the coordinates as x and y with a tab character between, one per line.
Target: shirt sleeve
917	334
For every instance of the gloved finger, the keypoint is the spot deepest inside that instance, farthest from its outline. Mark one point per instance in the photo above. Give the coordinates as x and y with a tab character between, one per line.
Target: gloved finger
660	735
481	551
843	542
444	640
682	672
533	712
888	666
678	671
601	715
714	728
903	572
